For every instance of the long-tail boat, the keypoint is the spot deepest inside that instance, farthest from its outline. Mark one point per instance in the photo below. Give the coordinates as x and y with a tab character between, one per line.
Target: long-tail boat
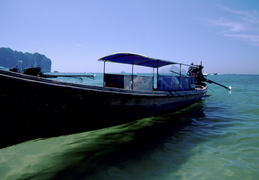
33	105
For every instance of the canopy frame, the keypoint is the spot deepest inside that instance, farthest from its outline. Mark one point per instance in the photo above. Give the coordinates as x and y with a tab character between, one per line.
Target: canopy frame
140	60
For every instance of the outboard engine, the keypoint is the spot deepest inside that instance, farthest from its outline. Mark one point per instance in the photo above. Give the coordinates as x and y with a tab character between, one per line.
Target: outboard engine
196	71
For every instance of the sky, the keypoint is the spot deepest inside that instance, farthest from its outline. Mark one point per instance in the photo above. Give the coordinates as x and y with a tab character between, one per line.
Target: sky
223	34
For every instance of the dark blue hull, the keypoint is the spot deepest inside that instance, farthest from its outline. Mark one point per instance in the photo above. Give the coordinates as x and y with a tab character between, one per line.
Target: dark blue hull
35	107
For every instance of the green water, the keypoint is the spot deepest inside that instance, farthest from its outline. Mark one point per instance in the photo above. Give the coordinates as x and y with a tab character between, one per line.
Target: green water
214	139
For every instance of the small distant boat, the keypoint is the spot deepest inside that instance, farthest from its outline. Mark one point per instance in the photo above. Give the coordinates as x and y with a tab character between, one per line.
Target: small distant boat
32	103
214	73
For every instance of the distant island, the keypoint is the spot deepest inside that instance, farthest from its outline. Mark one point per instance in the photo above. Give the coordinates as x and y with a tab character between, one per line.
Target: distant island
16	59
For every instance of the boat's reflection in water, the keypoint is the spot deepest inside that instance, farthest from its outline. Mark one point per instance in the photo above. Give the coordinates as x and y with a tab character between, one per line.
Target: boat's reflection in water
91	154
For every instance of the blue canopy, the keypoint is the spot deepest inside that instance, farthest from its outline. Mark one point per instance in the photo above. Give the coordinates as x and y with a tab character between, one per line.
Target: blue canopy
135	59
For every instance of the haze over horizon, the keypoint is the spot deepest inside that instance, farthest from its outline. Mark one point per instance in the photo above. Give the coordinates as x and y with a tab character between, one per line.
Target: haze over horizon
74	34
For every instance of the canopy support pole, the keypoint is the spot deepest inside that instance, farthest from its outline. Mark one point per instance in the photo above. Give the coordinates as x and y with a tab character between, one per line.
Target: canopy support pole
180	82
104	74
180	70
157	74
153	78
132	70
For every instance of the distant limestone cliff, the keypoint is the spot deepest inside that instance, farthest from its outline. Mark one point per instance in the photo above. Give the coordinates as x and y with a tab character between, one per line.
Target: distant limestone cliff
10	59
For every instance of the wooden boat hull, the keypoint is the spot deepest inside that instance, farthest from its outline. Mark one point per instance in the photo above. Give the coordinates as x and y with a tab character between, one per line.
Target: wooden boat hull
36	107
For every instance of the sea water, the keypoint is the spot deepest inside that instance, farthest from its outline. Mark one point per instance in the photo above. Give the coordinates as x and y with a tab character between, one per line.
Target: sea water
214	139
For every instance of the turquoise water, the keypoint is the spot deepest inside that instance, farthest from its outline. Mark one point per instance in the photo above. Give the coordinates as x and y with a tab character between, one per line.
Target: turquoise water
214	139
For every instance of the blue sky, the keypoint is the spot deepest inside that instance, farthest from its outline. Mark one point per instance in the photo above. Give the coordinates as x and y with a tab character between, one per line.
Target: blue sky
224	34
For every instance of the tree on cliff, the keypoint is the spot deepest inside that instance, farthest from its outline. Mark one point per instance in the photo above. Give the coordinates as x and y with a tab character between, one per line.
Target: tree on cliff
10	58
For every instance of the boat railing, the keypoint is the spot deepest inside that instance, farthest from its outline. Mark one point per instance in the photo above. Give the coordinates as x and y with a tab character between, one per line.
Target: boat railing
130	82
140	82
175	83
